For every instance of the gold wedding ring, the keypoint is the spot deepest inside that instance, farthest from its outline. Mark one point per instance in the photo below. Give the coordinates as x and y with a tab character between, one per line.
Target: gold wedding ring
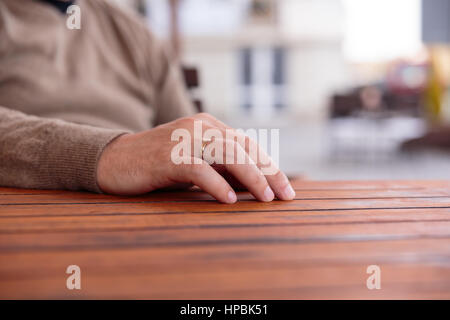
204	144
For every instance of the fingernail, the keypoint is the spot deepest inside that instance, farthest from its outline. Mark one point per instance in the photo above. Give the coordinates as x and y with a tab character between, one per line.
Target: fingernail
268	194
288	192
232	197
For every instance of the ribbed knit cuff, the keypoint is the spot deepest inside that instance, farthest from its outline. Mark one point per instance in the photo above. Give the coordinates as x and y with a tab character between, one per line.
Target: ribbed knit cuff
72	155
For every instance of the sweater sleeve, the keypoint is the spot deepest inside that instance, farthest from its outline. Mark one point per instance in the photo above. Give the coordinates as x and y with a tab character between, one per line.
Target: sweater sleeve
171	100
48	153
153	64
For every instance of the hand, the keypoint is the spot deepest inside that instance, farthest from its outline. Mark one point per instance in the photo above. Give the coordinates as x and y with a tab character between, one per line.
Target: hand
139	163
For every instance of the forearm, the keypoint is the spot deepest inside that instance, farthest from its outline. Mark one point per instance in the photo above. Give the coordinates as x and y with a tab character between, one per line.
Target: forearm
48	153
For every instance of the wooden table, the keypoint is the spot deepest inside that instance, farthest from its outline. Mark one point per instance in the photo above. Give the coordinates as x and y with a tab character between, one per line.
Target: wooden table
184	245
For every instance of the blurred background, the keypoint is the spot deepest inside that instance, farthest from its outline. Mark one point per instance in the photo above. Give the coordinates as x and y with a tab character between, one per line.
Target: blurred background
360	89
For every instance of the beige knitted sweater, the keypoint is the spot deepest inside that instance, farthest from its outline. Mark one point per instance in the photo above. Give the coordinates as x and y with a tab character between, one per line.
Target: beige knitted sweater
65	94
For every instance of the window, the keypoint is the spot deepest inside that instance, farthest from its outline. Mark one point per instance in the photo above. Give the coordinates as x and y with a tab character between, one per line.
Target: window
262	73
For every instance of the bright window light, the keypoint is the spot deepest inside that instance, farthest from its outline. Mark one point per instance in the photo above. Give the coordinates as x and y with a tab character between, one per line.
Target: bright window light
380	30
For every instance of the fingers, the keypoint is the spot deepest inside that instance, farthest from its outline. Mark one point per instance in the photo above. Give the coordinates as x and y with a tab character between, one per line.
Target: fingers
265	166
281	186
277	180
275	177
247	173
205	177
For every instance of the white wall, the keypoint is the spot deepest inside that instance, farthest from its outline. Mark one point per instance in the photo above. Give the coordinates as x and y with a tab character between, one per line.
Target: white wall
316	71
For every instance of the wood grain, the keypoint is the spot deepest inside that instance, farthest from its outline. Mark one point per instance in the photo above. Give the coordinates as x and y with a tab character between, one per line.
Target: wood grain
184	245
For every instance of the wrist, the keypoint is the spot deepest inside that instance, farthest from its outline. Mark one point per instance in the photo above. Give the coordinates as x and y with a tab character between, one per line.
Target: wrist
107	162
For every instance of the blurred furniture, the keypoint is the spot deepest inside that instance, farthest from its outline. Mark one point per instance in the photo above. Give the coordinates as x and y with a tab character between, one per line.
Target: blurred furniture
437	138
192	82
369	124
401	93
351	104
184	245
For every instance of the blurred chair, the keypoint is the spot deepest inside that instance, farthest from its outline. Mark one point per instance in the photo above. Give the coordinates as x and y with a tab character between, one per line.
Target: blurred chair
192	81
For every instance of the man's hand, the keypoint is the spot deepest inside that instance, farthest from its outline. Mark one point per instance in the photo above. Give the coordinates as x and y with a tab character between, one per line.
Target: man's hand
139	163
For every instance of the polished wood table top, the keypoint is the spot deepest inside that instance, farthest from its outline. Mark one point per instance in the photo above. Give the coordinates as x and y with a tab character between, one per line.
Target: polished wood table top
185	245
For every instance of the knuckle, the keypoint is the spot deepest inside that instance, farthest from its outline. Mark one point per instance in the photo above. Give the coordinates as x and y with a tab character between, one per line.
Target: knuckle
279	175
205	115
196	168
258	179
185	122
